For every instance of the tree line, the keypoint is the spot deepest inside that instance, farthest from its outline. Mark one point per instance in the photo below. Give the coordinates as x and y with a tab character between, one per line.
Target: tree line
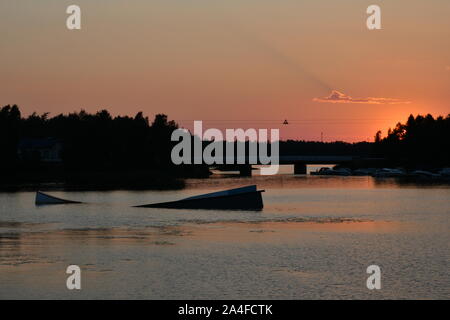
423	141
91	141
101	142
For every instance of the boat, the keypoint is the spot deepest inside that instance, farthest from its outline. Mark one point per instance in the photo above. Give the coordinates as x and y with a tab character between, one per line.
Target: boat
325	171
43	199
389	173
243	198
362	172
424	174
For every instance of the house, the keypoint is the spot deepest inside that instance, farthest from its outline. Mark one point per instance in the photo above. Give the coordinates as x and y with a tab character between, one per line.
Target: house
40	149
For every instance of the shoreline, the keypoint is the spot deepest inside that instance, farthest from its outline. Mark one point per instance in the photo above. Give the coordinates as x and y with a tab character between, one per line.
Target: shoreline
171	183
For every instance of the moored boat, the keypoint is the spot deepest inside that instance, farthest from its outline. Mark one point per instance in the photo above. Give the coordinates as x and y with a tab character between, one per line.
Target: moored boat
325	171
244	198
389	173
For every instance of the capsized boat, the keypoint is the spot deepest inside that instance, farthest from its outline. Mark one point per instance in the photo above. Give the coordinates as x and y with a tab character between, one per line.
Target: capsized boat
43	198
244	198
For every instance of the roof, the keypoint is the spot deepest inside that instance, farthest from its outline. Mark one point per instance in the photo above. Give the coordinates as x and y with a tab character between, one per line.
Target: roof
38	143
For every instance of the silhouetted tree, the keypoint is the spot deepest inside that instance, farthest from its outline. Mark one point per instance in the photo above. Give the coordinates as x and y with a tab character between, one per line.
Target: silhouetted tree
92	141
423	140
9	136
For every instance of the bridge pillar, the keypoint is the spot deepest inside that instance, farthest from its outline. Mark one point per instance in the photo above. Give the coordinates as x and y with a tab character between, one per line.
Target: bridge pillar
245	170
299	168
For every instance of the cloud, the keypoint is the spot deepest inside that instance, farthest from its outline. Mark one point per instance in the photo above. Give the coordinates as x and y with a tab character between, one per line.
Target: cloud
339	97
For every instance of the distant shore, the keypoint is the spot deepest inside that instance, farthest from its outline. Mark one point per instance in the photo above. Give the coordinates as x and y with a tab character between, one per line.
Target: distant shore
95	180
150	180
385	172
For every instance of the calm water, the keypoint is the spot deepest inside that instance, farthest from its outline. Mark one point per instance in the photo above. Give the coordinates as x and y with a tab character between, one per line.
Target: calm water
314	239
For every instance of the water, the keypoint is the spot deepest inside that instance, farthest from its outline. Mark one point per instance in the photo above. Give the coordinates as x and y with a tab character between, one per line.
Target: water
314	239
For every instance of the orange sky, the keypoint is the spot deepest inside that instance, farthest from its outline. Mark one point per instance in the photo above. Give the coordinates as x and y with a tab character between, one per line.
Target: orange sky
246	63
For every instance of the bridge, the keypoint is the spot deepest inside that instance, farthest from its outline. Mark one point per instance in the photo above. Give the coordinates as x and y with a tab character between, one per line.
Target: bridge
300	162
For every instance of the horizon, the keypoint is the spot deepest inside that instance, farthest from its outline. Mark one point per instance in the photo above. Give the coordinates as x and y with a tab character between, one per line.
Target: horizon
190	128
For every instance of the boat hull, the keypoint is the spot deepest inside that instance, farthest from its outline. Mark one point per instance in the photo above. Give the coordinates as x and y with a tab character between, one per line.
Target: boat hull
251	201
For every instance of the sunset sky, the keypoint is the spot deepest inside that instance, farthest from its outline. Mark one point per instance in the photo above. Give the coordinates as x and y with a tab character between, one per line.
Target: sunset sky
233	63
